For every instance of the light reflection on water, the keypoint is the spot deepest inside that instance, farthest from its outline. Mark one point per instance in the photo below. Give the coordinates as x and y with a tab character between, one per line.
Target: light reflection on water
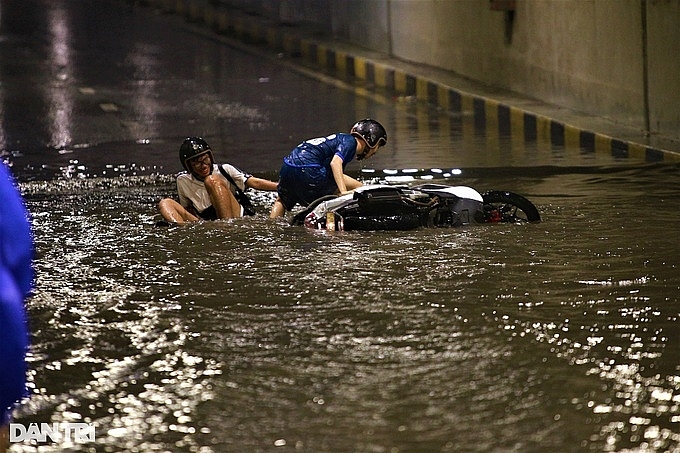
252	335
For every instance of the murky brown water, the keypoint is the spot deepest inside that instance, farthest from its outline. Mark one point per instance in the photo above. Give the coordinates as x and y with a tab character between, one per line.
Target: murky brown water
252	335
249	334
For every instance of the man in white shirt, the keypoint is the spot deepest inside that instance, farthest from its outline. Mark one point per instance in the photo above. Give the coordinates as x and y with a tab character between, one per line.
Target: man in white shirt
209	191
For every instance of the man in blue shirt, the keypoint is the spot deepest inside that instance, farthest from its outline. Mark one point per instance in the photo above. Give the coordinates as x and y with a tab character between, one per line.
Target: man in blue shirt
315	168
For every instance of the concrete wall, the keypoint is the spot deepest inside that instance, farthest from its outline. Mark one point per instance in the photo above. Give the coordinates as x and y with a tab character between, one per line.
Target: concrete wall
612	58
365	23
663	48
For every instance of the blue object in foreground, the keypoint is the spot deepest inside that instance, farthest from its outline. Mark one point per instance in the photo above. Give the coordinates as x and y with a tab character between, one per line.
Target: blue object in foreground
16	280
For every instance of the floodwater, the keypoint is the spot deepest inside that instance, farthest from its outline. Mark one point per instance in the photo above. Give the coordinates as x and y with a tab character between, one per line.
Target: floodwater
251	335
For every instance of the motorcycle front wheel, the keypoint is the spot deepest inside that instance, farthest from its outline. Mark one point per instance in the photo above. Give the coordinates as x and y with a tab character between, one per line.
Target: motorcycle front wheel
508	207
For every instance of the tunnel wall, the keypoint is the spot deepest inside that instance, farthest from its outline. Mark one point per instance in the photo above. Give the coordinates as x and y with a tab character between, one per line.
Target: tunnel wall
617	59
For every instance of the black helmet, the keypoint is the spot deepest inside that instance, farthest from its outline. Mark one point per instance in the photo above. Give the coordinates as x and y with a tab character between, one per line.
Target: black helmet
194	147
371	131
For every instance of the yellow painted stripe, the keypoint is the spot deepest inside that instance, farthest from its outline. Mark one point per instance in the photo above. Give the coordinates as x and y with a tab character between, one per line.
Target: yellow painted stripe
517	123
637	151
341	62
400	82
669	156
467	104
321	56
421	89
491	114
543	127
603	144
380	75
572	136
360	68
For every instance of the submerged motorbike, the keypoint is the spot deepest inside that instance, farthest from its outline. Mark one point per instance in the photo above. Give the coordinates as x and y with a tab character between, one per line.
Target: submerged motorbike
386	207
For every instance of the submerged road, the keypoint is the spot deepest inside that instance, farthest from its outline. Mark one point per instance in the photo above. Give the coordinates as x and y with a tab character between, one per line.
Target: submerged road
99	88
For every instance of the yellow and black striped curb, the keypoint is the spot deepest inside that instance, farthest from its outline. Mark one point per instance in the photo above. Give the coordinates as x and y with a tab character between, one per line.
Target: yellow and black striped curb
489	115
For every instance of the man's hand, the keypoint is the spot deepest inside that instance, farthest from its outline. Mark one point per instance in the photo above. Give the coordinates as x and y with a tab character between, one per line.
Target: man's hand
261	184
